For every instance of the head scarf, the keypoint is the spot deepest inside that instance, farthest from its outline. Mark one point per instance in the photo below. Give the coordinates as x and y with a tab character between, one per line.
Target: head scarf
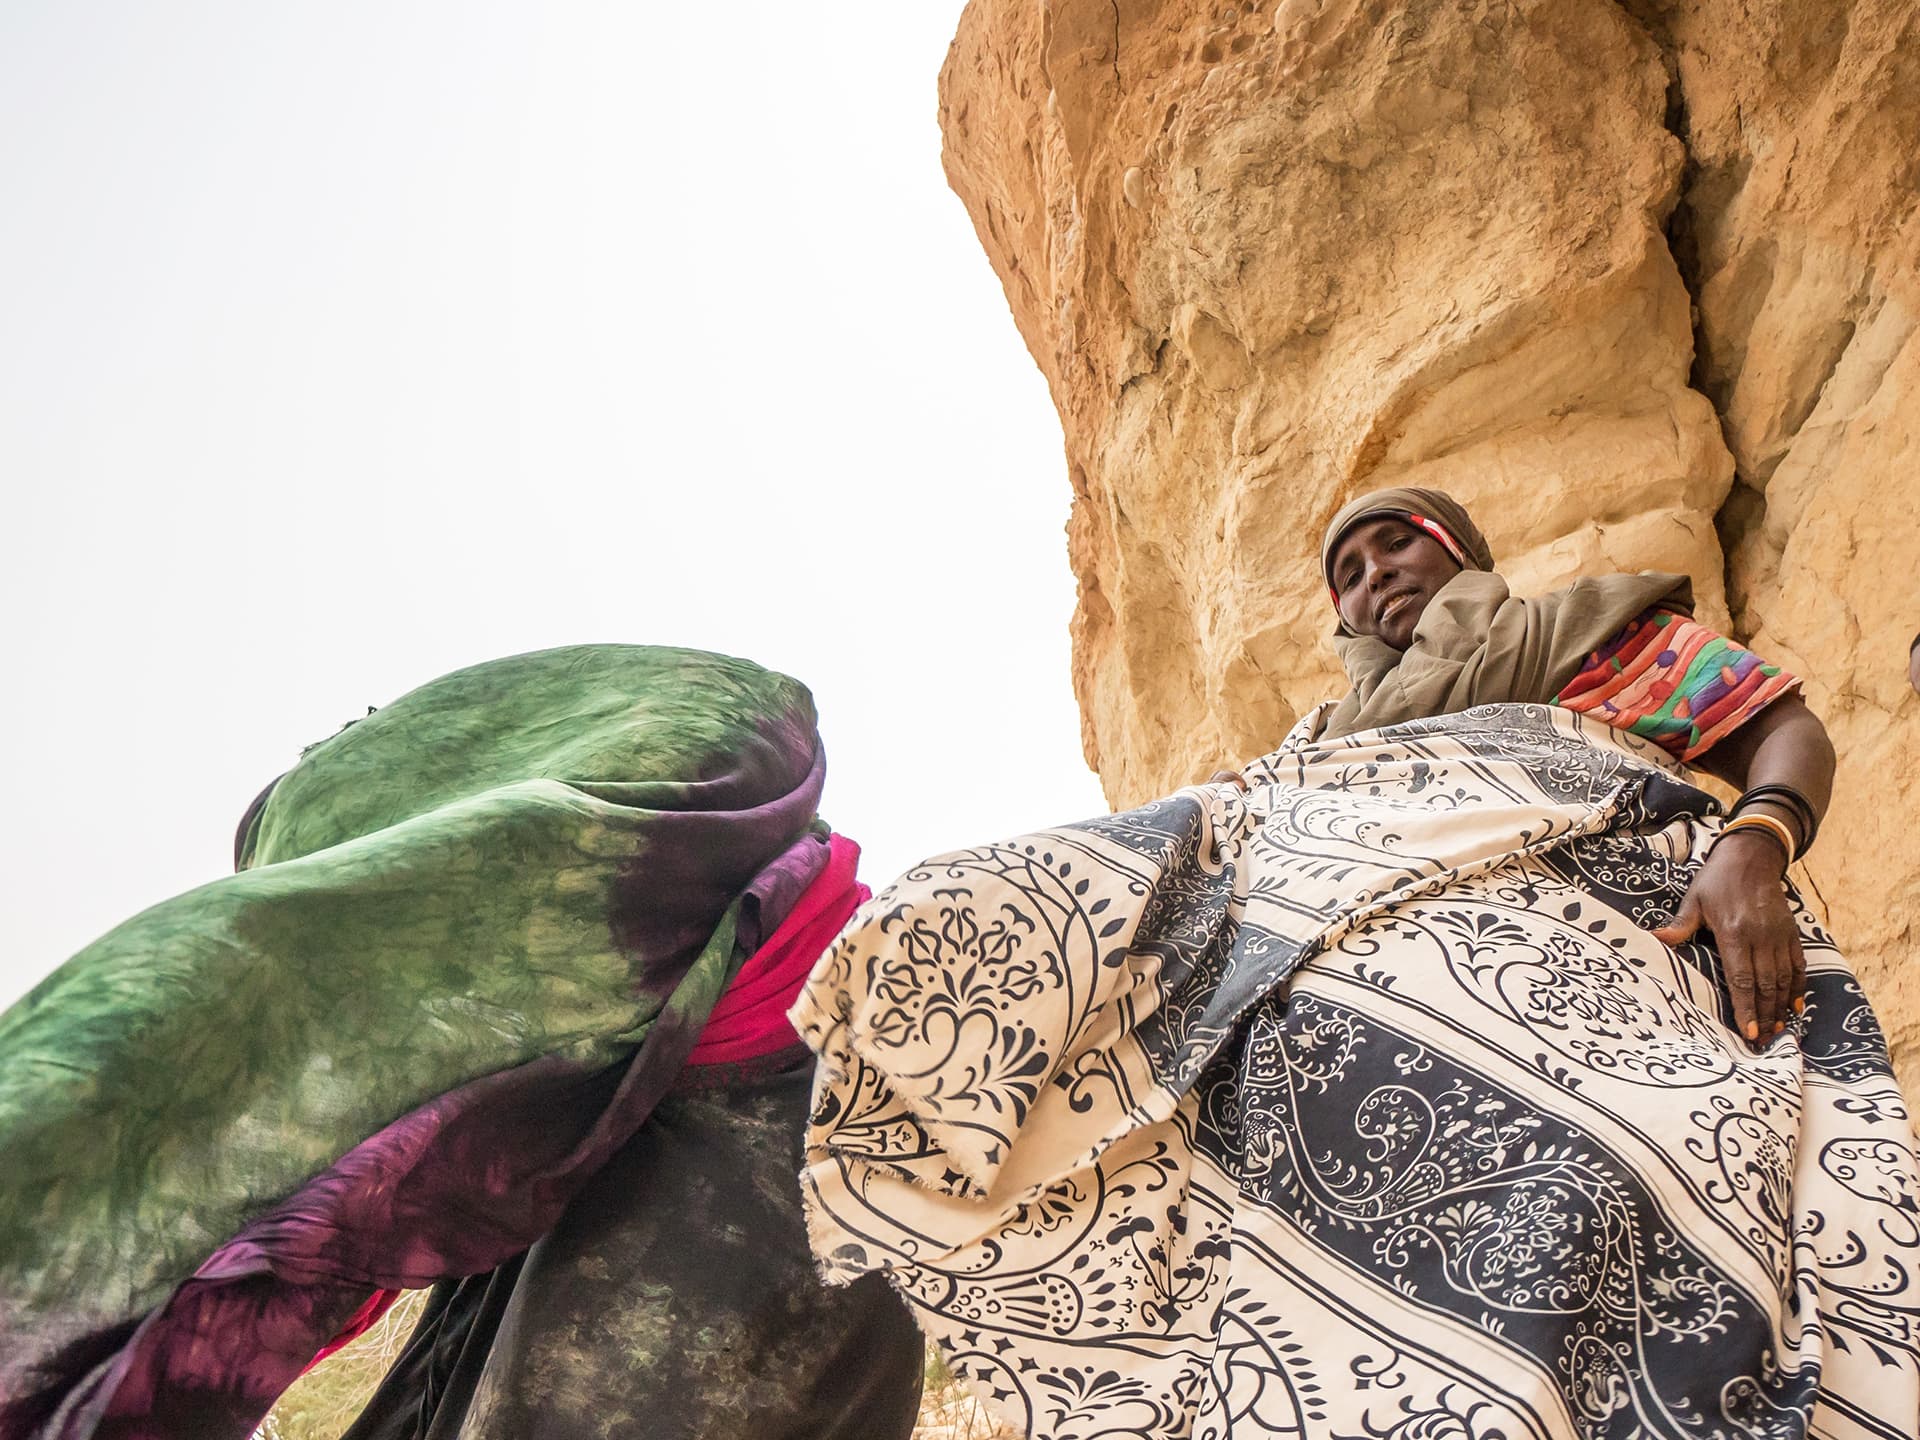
1434	511
1477	643
250	822
474	938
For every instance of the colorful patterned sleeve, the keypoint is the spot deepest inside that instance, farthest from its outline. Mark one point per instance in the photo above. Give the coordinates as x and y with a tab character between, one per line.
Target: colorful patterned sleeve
1671	680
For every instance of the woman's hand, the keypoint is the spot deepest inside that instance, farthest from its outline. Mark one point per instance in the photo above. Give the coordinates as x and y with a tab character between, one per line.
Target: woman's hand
1737	895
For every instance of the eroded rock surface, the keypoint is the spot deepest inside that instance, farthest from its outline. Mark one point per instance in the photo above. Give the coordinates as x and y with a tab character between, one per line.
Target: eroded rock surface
1638	282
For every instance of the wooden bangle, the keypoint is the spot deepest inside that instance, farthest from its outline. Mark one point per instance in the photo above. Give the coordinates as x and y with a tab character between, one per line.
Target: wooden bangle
1753	820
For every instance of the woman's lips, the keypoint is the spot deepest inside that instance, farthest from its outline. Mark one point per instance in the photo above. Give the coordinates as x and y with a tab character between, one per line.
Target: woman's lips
1393	603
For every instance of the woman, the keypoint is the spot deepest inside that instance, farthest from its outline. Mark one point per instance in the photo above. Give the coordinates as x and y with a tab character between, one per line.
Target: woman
496	993
1464	1074
1392	553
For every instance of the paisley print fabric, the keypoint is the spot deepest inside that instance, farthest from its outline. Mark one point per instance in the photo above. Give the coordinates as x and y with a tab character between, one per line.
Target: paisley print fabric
1363	1105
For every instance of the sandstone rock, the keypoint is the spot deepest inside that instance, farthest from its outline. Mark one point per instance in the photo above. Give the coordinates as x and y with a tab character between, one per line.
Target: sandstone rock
1635	281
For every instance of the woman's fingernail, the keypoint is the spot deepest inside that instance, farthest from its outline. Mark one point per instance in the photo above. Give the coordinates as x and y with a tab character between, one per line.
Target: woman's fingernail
1753	1029
1778	1026
1799	1004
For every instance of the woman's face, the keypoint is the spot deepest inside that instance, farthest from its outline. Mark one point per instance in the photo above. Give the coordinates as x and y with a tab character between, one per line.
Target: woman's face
1385	573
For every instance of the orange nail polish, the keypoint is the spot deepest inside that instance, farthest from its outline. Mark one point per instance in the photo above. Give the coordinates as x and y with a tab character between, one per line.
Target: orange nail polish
1753	1029
1799	1004
1778	1026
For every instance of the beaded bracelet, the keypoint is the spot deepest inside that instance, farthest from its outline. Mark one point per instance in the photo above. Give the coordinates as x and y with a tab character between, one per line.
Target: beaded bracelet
1777	829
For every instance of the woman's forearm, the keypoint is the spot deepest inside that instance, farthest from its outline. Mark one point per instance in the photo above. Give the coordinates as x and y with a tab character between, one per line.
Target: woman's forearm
1785	744
1737	894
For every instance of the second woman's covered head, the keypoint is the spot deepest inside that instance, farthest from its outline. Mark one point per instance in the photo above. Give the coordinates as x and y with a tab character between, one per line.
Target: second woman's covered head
1386	555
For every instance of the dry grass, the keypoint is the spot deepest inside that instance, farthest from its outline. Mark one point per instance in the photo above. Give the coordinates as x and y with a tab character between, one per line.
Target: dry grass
949	1411
322	1403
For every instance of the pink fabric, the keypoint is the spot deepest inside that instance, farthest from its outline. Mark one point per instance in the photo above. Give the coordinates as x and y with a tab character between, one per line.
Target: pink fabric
750	1019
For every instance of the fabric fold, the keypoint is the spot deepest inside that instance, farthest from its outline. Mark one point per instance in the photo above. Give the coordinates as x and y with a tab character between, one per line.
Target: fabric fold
750	1021
982	990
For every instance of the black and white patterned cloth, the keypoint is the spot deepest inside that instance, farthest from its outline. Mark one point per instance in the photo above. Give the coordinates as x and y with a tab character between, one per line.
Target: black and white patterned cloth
1362	1104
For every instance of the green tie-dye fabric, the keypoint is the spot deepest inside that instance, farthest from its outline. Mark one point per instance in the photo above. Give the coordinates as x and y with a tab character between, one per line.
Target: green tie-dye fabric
519	870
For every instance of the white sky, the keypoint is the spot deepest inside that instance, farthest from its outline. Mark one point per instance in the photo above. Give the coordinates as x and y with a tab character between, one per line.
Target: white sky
345	344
